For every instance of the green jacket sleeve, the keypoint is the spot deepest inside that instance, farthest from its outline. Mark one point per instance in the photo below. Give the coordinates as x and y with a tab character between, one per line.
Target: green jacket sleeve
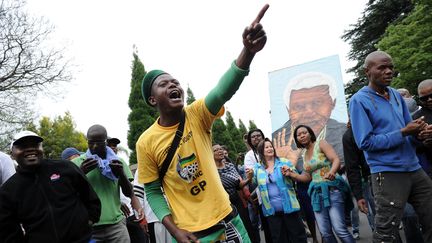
156	199
225	89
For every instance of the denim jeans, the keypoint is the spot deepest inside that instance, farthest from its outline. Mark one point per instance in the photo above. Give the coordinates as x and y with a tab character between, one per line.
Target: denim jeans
355	219
333	217
367	194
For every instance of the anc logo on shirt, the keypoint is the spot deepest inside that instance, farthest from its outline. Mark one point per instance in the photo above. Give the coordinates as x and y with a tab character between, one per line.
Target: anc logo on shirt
188	168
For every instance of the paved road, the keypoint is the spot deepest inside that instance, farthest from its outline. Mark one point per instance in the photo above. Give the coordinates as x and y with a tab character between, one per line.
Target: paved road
365	232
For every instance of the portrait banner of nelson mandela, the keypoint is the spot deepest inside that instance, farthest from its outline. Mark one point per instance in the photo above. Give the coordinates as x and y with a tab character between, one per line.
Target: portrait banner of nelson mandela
309	94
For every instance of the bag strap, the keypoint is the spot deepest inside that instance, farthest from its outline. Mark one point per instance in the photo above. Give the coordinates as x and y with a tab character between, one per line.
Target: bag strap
177	136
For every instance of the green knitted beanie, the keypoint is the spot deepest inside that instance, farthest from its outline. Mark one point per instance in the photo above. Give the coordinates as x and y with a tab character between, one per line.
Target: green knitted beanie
147	83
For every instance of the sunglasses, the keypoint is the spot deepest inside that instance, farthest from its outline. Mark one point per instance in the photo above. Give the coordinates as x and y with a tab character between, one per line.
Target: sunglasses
256	136
425	98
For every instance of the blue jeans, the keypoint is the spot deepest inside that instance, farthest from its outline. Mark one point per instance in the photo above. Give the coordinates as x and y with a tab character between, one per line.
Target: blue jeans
367	193
333	217
355	219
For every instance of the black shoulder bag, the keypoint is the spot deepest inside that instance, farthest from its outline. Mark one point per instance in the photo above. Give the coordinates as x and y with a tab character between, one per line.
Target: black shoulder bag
175	143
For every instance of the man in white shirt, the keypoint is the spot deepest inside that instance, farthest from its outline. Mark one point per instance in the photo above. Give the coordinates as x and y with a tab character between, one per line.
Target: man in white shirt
254	137
7	167
156	230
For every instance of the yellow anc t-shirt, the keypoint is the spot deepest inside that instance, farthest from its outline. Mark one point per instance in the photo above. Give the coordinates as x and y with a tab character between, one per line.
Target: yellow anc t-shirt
192	185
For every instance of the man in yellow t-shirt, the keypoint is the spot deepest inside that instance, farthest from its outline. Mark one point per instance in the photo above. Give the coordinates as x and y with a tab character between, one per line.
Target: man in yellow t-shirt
199	208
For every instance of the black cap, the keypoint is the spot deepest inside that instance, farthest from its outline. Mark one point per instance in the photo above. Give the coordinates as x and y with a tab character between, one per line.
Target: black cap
115	141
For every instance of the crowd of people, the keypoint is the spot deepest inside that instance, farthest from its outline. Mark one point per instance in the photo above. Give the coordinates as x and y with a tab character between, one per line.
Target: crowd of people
187	189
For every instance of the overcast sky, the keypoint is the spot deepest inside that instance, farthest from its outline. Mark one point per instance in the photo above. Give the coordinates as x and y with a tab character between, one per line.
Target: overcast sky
195	41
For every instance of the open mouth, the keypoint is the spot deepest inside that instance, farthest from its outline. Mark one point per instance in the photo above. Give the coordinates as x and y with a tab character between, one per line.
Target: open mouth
31	157
175	95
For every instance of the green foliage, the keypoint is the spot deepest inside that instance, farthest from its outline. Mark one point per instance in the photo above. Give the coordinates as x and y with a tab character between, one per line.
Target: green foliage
142	116
220	134
59	134
242	128
368	31
409	42
236	136
227	133
190	96
252	125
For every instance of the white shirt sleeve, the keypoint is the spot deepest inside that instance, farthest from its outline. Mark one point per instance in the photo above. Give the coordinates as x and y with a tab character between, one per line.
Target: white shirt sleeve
140	193
249	160
7	167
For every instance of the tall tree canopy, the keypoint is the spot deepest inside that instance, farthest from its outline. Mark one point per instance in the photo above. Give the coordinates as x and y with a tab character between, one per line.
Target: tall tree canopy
236	136
242	128
409	42
29	63
252	125
190	96
221	134
58	134
142	116
368	31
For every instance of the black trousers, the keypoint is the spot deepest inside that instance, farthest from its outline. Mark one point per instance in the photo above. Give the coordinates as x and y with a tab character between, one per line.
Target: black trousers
287	228
136	233
244	215
392	190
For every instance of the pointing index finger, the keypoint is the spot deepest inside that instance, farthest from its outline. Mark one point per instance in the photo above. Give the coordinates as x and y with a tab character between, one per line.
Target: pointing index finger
260	14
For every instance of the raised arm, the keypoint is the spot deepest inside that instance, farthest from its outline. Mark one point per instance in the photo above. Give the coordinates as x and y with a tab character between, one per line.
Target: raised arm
331	155
254	39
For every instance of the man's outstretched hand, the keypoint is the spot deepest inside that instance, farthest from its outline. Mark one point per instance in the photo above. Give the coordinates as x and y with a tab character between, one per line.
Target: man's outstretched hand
254	36
254	40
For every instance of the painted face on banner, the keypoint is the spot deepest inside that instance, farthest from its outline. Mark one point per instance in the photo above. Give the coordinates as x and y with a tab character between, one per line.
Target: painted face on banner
311	107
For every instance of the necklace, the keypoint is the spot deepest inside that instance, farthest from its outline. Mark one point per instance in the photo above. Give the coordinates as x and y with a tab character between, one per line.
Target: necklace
385	95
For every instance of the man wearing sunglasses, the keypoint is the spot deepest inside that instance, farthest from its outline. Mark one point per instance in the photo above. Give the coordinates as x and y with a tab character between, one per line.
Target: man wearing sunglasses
424	153
107	173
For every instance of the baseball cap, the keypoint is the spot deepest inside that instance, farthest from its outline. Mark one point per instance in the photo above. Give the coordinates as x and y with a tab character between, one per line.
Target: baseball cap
19	137
113	140
68	152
